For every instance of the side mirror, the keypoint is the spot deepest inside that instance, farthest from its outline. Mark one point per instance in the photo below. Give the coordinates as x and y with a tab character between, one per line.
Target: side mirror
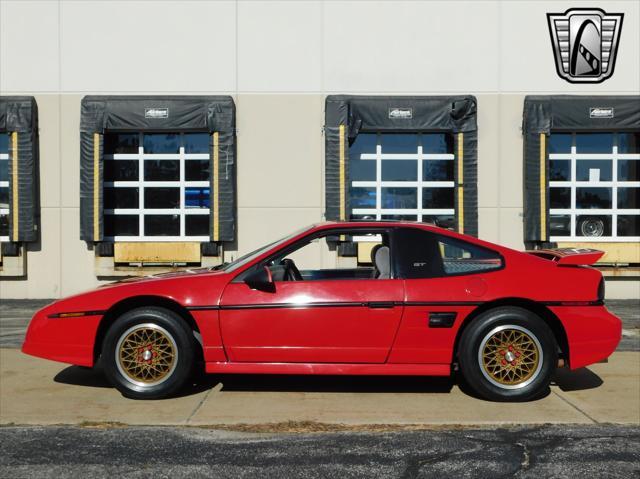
261	280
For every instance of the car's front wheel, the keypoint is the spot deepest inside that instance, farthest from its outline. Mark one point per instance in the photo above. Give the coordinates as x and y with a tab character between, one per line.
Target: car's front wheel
508	354
148	353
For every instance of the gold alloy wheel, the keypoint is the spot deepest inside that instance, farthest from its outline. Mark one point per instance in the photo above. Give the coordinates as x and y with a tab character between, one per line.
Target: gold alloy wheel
146	354
510	356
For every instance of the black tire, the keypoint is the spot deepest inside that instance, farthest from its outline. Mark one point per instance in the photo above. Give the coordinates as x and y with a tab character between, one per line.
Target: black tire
171	349
483	359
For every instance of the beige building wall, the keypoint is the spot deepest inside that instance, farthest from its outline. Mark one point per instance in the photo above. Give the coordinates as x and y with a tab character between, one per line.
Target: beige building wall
279	60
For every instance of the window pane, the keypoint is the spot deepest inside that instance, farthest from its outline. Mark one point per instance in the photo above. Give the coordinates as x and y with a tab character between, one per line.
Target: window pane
628	225
162	170
161	143
628	170
436	198
121	225
399	198
593	170
559	170
121	170
121	198
197	225
628	142
197	170
162	198
196	197
443	221
593	226
196	142
162	225
459	257
560	197
433	143
399	217
4	143
628	198
589	198
399	143
594	142
399	170
560	143
362	197
560	225
362	170
4	170
308	258
437	170
4	225
4	197
120	143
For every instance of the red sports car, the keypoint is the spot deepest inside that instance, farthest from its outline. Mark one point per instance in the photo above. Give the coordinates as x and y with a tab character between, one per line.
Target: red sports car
412	299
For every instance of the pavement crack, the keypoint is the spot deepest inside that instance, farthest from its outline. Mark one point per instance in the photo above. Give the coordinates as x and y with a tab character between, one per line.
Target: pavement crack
216	388
576	407
526	457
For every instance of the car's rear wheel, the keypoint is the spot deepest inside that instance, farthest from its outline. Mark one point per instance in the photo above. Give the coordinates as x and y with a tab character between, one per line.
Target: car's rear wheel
508	354
148	353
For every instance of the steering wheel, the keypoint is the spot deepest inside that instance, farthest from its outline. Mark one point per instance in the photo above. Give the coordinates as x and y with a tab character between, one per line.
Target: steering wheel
291	271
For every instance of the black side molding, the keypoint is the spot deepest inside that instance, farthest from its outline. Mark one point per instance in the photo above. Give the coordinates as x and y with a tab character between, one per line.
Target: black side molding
442	320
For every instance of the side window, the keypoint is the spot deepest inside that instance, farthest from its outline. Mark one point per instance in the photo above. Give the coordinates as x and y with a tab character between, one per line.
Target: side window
317	260
460	257
421	254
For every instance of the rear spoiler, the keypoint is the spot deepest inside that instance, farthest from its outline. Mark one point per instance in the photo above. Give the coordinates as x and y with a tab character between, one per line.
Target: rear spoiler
569	256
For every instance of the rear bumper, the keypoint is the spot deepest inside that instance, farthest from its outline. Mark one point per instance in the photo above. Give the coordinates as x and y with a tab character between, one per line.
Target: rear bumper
593	333
67	340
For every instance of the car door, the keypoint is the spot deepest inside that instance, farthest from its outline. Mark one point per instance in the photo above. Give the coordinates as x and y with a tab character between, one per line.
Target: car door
445	280
312	321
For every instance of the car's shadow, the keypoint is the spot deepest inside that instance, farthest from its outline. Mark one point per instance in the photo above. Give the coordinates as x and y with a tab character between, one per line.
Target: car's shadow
566	380
577	380
79	376
339	384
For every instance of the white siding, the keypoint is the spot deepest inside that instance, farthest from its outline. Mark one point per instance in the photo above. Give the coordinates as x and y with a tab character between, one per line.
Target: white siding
279	59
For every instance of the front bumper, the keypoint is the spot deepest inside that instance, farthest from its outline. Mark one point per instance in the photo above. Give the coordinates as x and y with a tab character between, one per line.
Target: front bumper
593	333
67	340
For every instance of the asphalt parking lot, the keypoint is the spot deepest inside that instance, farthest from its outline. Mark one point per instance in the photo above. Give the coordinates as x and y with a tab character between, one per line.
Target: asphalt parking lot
548	451
300	426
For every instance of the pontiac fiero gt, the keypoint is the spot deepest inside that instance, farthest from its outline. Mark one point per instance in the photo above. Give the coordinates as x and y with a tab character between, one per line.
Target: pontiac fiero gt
413	299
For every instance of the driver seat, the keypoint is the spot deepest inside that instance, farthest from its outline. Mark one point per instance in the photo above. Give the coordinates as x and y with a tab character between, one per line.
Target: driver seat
381	262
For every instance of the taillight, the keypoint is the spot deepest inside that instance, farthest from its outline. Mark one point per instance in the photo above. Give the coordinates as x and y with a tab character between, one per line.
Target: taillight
601	290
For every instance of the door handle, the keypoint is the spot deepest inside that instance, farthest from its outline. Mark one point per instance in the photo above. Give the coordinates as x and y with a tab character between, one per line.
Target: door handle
381	305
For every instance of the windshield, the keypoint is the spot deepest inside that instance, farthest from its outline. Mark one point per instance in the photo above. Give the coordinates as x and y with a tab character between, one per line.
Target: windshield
247	258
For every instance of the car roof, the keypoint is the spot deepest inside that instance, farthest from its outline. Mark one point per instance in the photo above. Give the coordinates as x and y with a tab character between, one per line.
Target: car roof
375	224
328	225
